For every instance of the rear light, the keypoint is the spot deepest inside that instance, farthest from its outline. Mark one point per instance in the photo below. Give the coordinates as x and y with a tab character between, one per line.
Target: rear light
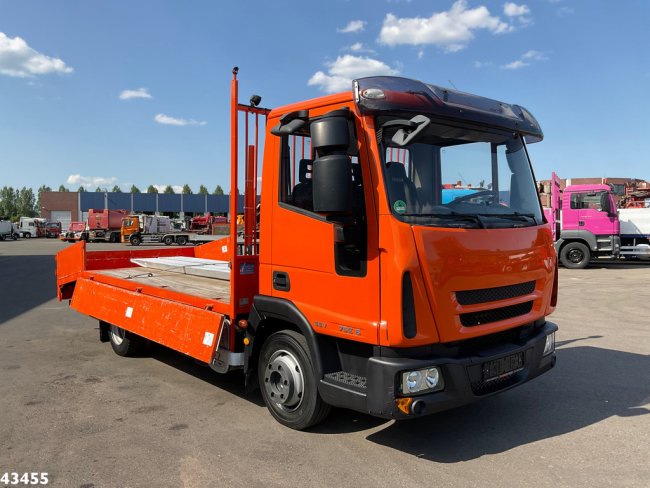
409	325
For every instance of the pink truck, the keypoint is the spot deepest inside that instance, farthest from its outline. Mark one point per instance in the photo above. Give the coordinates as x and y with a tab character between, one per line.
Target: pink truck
586	224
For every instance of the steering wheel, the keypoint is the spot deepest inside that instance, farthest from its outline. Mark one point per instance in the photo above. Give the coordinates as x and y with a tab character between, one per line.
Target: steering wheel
474	195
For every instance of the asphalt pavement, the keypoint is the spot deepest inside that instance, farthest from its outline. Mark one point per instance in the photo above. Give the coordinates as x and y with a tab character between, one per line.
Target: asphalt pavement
72	408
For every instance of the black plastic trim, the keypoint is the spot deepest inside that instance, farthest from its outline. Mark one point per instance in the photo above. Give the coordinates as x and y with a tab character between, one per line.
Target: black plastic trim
267	307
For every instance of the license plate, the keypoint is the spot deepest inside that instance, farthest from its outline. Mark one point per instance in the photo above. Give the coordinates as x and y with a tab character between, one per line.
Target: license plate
501	367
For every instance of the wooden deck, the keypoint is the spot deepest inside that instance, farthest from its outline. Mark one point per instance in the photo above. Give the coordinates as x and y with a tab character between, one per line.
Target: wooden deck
212	288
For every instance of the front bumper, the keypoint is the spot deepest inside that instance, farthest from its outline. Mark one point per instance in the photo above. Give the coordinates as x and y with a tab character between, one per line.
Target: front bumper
462	377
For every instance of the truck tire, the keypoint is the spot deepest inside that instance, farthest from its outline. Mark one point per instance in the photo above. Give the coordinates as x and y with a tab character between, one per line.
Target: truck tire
288	381
575	255
113	238
125	343
135	240
182	240
168	240
27	235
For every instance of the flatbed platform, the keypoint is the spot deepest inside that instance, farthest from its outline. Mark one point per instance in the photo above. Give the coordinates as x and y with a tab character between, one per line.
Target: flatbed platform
211	288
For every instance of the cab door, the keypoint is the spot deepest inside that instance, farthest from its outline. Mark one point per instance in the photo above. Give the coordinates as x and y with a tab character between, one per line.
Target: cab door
328	271
595	214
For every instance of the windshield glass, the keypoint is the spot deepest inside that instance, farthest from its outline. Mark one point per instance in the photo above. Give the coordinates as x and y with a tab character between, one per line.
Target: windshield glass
460	182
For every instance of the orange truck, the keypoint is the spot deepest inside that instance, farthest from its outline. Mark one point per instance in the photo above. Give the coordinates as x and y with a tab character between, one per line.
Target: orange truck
362	283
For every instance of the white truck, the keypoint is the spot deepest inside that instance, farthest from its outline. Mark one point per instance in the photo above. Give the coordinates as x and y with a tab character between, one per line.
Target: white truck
31	227
155	229
8	230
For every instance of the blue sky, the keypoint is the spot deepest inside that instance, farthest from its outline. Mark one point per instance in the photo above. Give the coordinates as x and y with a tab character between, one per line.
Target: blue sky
137	92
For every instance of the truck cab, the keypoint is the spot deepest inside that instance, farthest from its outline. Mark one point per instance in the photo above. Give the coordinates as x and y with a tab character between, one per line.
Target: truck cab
368	284
31	227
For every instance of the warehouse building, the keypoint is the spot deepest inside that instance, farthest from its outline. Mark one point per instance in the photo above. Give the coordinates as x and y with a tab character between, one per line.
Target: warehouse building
65	207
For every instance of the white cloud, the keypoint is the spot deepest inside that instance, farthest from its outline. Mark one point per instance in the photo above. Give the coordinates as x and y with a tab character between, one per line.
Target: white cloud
451	30
536	55
513	10
167	120
19	60
482	64
564	11
139	93
519	12
359	48
161	188
526	59
353	26
91	182
344	69
515	65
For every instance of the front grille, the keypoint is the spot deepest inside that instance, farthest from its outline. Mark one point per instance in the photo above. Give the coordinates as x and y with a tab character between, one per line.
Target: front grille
472	319
486	387
483	295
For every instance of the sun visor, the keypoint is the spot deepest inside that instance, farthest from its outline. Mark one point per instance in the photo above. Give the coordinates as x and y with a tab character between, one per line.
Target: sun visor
393	94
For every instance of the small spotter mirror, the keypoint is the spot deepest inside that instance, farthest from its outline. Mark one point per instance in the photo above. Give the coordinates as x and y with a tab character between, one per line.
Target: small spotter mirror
407	130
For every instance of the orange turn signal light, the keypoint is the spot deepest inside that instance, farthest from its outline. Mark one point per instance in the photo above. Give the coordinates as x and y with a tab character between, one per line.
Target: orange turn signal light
404	404
246	341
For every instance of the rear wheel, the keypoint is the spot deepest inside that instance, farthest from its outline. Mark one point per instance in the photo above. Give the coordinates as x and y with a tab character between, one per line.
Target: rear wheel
135	240
575	255
168	240
288	381
113	237
182	240
125	343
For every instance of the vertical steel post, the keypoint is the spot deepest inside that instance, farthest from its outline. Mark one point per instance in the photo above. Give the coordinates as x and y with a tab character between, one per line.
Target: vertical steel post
234	265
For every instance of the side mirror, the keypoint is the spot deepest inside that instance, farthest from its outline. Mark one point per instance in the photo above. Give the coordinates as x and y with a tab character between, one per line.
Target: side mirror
332	169
332	184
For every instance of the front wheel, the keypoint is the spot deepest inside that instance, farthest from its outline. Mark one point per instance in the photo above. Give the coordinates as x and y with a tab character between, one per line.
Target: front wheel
125	343
168	240
575	255
288	381
27	235
135	240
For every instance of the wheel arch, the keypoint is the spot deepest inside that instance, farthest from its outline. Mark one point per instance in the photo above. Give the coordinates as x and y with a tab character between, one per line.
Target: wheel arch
269	315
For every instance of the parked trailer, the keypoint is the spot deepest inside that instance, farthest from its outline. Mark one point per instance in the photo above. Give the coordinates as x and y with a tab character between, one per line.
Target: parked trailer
104	225
364	291
8	230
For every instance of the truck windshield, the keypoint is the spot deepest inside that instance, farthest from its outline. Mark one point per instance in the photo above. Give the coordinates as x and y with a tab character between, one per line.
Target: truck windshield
472	179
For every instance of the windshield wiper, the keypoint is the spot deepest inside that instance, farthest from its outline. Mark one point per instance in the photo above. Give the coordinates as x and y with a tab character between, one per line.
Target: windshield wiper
478	219
526	217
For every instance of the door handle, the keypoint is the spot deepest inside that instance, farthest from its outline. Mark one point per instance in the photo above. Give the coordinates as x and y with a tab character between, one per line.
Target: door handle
581	222
281	281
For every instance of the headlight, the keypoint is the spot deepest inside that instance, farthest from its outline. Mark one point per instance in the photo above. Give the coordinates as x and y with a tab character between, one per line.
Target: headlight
549	345
421	381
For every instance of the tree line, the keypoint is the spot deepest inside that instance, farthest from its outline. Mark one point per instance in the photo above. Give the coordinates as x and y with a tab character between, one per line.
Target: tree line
16	203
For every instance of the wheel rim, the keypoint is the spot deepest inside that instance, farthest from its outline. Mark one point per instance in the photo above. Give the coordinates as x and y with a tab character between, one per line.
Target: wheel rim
283	380
575	256
117	335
